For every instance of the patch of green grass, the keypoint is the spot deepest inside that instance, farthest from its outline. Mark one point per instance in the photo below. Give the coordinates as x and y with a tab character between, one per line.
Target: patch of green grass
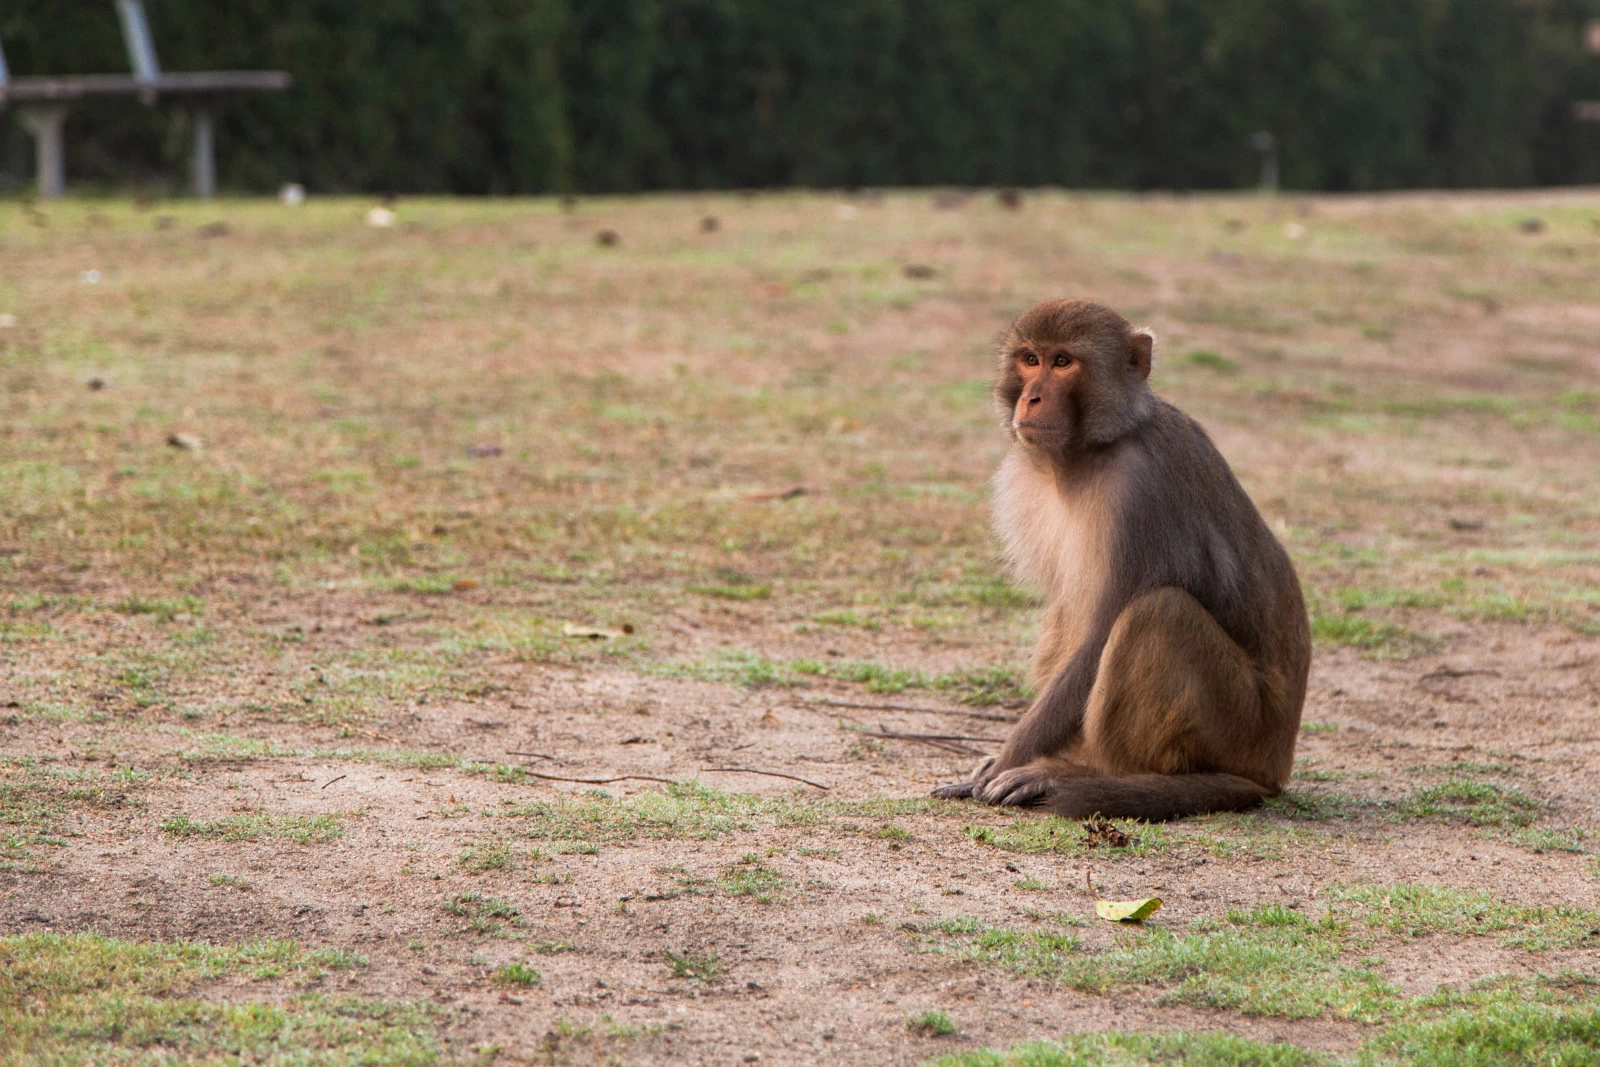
931	1024
83	998
231	881
745	591
518	974
1215	361
694	966
845	617
487	856
1410	911
1261	963
1547	839
977	686
1066	837
301	829
1316	805
1545	1022
551	948
1134	1050
983	686
1274	961
1358	599
752	879
485	915
35	795
1353	631
1478	802
681	810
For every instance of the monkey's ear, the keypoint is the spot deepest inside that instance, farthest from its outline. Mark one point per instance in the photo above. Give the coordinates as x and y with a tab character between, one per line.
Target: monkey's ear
1142	346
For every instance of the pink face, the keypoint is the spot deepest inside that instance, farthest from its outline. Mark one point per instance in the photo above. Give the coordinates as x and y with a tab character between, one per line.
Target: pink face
1049	373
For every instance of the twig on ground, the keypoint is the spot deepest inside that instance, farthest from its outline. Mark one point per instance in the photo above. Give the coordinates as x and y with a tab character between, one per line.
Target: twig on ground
769	774
599	781
986	715
330	781
1452	672
901	736
540	755
932	740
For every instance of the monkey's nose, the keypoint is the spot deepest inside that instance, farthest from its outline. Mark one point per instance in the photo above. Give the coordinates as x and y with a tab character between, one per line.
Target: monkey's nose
1034	399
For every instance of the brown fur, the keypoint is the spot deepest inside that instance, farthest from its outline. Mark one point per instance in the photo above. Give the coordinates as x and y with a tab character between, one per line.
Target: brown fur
1174	647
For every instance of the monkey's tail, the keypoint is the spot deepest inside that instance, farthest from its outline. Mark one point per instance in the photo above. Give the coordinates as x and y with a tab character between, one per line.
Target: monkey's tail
1152	797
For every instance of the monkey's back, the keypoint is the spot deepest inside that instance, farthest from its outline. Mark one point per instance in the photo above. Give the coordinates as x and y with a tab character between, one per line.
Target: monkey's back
1191	524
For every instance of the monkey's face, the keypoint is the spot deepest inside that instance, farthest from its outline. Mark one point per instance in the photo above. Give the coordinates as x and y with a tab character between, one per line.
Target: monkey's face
1072	376
1045	410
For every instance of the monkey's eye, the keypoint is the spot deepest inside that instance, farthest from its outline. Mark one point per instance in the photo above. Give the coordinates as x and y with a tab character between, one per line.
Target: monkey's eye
1029	359
1063	360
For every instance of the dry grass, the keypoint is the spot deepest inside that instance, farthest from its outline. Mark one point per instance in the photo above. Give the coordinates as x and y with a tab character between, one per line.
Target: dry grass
425	450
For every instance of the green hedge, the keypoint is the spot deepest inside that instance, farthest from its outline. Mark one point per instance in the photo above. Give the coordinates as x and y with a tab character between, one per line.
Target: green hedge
502	96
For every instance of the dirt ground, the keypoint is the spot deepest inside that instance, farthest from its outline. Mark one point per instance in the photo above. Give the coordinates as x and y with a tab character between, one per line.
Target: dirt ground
315	679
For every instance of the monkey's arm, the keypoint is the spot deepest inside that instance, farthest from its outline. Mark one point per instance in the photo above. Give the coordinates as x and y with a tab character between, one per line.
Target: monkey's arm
1055	720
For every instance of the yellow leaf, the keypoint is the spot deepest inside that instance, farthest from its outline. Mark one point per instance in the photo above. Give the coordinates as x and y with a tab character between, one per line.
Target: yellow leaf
1126	911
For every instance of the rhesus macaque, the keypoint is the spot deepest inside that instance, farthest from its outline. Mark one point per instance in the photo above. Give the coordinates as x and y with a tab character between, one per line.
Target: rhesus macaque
1174	647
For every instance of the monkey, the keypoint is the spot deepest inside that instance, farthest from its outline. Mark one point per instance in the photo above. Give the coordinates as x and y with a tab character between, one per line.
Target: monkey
1174	645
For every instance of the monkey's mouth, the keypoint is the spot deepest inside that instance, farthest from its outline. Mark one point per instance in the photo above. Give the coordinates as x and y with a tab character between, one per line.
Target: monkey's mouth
1035	433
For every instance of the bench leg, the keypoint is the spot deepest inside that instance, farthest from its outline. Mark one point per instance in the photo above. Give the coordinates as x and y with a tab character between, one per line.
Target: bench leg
46	122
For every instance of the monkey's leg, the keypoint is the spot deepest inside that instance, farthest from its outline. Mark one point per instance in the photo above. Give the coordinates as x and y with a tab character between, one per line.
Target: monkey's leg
1173	698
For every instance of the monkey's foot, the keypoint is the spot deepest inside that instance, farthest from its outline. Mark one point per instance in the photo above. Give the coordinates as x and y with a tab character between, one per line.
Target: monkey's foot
1017	788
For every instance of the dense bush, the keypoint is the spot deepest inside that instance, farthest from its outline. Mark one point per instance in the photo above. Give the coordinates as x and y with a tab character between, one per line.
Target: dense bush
499	96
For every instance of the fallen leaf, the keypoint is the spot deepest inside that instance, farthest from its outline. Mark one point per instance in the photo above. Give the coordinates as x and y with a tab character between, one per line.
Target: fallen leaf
597	633
463	584
1126	911
918	270
187	442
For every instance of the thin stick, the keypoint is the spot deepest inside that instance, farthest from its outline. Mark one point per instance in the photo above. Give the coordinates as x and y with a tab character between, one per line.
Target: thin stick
769	774
987	715
1452	672
599	781
899	736
943	746
330	781
541	755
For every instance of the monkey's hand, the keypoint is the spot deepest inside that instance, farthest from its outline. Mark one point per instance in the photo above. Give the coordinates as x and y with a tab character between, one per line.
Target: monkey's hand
981	774
1018	787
